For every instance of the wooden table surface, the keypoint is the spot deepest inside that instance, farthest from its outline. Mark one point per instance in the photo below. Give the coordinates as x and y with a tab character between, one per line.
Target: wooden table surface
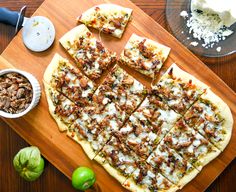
52	180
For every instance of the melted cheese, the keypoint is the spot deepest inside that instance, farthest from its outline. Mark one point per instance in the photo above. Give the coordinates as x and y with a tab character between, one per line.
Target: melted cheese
126	129
114	125
136	87
111	109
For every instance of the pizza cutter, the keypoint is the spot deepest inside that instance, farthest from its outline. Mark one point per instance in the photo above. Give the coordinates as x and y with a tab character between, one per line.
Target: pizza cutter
38	32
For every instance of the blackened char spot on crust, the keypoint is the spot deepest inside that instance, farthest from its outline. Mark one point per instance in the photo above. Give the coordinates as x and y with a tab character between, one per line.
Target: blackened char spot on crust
171	72
97	9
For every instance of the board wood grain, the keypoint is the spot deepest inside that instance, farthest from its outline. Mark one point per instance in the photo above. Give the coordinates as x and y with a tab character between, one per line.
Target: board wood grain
38	128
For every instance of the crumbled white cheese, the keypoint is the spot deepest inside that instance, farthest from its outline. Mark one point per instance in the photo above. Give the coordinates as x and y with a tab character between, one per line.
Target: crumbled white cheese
129	170
114	125
184	14
194	43
136	87
85	117
105	101
190	149
150	174
132	119
196	143
111	108
136	172
226	9
207	27
218	49
152	136
147	181
126	129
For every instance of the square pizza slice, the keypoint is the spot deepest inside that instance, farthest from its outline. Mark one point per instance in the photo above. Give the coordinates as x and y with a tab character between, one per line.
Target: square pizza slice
179	89
147	126
118	160
171	165
139	136
145	178
67	79
144	55
89	53
61	109
121	88
95	126
158	113
212	117
191	145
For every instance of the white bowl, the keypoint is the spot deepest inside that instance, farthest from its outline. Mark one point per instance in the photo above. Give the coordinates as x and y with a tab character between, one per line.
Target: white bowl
36	92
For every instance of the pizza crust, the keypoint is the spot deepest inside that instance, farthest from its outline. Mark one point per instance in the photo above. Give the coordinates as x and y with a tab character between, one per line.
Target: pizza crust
111	170
52	67
61	125
225	112
67	39
101	160
84	144
206	159
132	186
184	76
107	7
114	173
187	178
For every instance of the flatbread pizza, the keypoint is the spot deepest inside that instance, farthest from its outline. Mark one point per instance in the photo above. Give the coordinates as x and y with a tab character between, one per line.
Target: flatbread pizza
61	108
145	178
68	80
191	145
108	18
89	54
149	140
146	127
211	116
172	165
117	159
144	55
122	89
179	89
95	125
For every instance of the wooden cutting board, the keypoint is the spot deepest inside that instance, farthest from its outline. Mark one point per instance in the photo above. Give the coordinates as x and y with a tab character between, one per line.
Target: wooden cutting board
38	128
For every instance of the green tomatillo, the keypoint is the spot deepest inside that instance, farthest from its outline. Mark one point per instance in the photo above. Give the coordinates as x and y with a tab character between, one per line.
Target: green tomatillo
83	178
29	163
